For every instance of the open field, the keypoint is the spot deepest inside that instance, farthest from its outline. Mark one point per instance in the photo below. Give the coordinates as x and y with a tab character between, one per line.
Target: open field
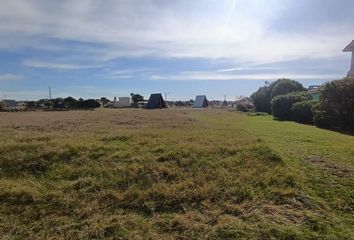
172	174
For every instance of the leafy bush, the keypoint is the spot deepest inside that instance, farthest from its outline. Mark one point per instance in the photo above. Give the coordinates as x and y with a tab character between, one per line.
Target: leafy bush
282	105
302	111
263	96
336	106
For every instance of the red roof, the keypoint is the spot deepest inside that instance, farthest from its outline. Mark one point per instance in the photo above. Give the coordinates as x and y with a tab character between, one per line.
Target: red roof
349	48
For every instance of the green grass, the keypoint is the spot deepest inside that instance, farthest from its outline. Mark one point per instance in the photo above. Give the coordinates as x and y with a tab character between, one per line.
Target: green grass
172	174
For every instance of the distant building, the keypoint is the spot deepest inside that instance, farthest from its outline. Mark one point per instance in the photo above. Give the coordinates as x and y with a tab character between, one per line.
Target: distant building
123	102
314	92
200	102
141	104
350	48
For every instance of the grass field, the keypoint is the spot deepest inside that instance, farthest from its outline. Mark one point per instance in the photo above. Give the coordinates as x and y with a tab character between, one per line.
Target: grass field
172	174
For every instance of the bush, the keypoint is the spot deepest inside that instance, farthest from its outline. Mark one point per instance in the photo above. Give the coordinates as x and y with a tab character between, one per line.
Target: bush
263	96
244	107
302	112
336	106
282	105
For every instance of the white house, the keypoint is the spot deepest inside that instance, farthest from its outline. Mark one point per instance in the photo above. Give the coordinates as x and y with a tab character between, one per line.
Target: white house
123	102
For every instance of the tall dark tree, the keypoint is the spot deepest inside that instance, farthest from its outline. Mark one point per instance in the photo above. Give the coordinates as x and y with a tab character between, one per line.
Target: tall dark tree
262	99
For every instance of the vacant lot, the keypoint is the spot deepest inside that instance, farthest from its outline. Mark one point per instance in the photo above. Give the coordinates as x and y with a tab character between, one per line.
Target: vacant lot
172	174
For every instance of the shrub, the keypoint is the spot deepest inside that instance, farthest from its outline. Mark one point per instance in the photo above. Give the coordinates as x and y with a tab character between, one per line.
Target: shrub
281	105
244	107
336	106
302	112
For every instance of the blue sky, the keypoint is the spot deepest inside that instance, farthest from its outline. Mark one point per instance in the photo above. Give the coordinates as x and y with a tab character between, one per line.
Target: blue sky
93	48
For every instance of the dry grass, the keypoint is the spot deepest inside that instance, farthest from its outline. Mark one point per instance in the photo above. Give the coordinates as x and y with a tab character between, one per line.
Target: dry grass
166	174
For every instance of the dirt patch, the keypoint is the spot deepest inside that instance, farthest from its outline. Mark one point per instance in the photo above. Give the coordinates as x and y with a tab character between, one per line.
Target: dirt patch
327	165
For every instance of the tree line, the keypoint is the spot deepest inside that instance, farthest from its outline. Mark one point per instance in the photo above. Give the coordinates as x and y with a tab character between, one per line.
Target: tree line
287	99
64	103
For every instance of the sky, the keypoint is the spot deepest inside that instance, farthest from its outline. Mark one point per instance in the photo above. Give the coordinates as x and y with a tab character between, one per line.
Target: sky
95	48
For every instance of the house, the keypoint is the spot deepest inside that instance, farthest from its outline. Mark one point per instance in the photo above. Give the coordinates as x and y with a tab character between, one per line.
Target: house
314	92
123	102
141	104
200	102
156	101
350	48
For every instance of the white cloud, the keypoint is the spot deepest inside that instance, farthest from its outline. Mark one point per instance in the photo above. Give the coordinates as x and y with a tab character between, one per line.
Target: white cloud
216	76
57	66
233	29
9	77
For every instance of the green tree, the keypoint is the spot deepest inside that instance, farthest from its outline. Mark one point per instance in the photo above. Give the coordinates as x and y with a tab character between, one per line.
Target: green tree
262	99
88	104
285	86
70	102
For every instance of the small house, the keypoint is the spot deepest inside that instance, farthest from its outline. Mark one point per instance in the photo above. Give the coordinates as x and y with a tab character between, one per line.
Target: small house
156	101
124	102
200	102
313	92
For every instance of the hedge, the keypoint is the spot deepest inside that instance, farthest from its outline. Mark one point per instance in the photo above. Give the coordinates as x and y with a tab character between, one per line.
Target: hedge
282	105
302	111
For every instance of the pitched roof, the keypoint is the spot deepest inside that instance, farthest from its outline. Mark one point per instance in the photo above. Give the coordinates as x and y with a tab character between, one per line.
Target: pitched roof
349	48
156	101
200	101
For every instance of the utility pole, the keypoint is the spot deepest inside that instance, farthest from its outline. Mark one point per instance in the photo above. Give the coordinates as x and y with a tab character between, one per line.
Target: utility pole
50	93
